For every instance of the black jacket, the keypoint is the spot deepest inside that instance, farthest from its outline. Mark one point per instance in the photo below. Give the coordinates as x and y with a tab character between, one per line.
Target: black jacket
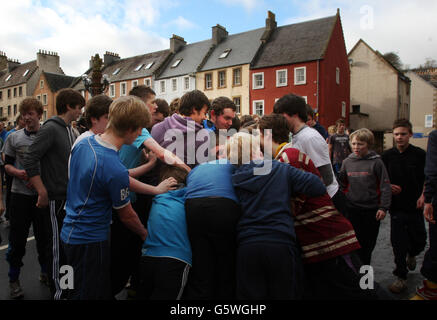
406	169
50	151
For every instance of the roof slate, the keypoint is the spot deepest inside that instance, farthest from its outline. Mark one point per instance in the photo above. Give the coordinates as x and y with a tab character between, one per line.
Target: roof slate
191	54
58	81
243	49
17	74
294	43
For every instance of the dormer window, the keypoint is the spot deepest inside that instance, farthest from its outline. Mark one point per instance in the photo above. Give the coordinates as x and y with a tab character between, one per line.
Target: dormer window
150	65
176	63
139	67
26	72
116	71
225	54
8	77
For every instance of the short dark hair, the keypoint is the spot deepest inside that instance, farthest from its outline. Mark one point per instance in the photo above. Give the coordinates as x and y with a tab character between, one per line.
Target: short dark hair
195	99
167	171
221	103
162	107
96	107
68	97
142	92
174	106
341	120
235	124
29	104
248	124
310	111
403	123
279	126
291	104
245	118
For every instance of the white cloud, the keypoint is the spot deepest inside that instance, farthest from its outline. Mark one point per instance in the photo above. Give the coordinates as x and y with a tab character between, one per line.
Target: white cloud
400	26
249	5
78	34
182	23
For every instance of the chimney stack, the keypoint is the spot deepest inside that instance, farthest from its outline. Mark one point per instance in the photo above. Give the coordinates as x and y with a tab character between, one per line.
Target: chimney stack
271	25
12	64
48	61
108	58
3	61
176	43
218	34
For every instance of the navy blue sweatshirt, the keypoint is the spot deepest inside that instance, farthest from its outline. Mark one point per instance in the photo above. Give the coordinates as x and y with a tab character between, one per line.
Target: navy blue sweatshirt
265	201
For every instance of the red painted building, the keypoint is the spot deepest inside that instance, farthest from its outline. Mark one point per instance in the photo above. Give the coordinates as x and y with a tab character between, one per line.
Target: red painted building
308	59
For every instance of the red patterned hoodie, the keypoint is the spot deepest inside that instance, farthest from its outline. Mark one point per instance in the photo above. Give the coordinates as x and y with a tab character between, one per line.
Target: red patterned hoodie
322	232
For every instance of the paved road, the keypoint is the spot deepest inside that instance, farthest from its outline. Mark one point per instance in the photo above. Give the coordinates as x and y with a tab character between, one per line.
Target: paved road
382	262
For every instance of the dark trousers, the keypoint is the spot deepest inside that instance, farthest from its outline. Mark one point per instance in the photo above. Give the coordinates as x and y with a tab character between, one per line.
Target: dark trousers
366	229
162	278
211	226
90	263
340	203
336	279
429	266
9	180
408	236
53	219
125	254
24	213
268	271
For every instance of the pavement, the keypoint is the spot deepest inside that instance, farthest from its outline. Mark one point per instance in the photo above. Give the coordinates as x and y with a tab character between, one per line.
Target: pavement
382	263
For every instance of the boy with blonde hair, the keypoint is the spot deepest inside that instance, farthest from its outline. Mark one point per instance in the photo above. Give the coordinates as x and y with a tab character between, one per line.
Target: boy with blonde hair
365	181
268	262
99	182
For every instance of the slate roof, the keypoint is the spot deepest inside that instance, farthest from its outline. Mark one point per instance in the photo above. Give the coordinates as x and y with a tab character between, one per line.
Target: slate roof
432	79
191	54
294	43
58	81
17	74
243	49
127	66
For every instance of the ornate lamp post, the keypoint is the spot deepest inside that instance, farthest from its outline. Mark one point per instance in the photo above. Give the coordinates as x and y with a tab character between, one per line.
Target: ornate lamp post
96	85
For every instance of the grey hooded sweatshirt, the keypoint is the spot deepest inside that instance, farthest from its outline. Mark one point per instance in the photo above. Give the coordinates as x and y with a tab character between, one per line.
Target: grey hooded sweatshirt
50	151
365	182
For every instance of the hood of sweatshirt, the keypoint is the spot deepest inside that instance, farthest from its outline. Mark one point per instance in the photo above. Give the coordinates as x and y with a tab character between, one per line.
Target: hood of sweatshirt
370	155
245	179
56	120
178	122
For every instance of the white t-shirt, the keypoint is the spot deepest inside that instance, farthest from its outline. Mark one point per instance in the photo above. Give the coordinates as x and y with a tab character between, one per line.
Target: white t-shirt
84	135
310	142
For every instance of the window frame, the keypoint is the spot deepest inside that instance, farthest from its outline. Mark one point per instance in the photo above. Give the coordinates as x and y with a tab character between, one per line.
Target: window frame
112	88
149	81
254	102
185	82
238	110
174	81
44	103
234	84
212	82
224	80
161	87
278	84
304	81
134	83
337	75
254	86
121	89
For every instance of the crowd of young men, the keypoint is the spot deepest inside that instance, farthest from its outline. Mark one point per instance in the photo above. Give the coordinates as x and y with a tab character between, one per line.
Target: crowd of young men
90	212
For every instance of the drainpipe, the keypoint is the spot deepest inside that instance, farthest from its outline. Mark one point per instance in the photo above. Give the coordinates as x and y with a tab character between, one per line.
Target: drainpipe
318	111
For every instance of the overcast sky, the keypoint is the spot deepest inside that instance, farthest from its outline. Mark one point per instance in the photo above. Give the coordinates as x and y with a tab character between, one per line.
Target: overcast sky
78	29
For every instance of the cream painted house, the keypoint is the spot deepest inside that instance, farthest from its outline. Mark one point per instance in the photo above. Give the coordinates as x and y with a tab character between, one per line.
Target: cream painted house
379	92
422	111
225	69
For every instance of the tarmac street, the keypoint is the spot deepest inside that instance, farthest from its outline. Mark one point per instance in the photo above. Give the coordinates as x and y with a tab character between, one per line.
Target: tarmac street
382	263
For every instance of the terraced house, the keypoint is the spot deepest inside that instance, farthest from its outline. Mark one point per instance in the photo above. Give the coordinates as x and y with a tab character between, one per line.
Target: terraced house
178	74
224	71
18	80
308	59
124	74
